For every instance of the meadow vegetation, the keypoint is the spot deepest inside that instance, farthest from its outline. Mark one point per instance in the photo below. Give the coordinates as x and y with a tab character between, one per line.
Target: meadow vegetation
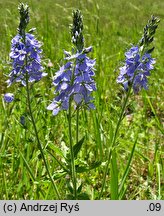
111	27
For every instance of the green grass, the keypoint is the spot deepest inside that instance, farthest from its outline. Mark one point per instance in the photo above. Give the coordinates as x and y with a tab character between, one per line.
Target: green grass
136	169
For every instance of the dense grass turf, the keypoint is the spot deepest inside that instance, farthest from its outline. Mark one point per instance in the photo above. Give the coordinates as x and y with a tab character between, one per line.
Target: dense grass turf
110	27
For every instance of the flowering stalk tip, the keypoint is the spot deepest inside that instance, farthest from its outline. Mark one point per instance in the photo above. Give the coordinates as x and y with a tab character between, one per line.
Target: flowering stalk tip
139	62
149	32
24	18
25	53
76	30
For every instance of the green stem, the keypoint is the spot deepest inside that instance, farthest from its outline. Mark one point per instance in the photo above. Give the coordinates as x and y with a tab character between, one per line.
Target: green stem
35	129
73	170
115	137
77	126
38	140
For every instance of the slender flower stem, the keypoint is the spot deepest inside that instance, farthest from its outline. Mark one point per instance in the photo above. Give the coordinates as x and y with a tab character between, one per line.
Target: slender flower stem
35	128
73	170
38	140
149	32
77	126
115	137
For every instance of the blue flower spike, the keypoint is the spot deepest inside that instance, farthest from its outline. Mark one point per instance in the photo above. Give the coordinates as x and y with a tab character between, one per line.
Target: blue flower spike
138	61
74	80
25	53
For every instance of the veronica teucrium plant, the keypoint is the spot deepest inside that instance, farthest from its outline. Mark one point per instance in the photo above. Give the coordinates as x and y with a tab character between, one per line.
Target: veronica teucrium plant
139	63
74	84
133	76
74	80
25	53
27	69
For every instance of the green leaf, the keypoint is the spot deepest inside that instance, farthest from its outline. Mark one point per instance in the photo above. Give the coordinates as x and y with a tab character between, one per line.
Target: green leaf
60	163
121	188
57	150
159	180
83	196
159	125
59	175
98	133
27	167
114	176
81	169
77	147
79	188
70	187
31	173
70	197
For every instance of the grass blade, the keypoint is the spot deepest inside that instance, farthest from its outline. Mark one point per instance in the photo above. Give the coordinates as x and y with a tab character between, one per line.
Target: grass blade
121	188
30	172
155	114
114	176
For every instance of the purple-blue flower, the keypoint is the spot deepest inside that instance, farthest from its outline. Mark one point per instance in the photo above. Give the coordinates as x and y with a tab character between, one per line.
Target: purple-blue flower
136	69
26	60
8	97
74	81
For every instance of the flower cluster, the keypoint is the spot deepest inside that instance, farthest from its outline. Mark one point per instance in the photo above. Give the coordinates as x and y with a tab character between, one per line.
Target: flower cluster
136	69
74	81
25	54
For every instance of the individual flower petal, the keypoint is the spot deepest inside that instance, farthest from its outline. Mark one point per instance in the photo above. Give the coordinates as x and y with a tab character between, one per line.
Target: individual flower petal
64	85
52	106
78	98
56	110
91	106
88	49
